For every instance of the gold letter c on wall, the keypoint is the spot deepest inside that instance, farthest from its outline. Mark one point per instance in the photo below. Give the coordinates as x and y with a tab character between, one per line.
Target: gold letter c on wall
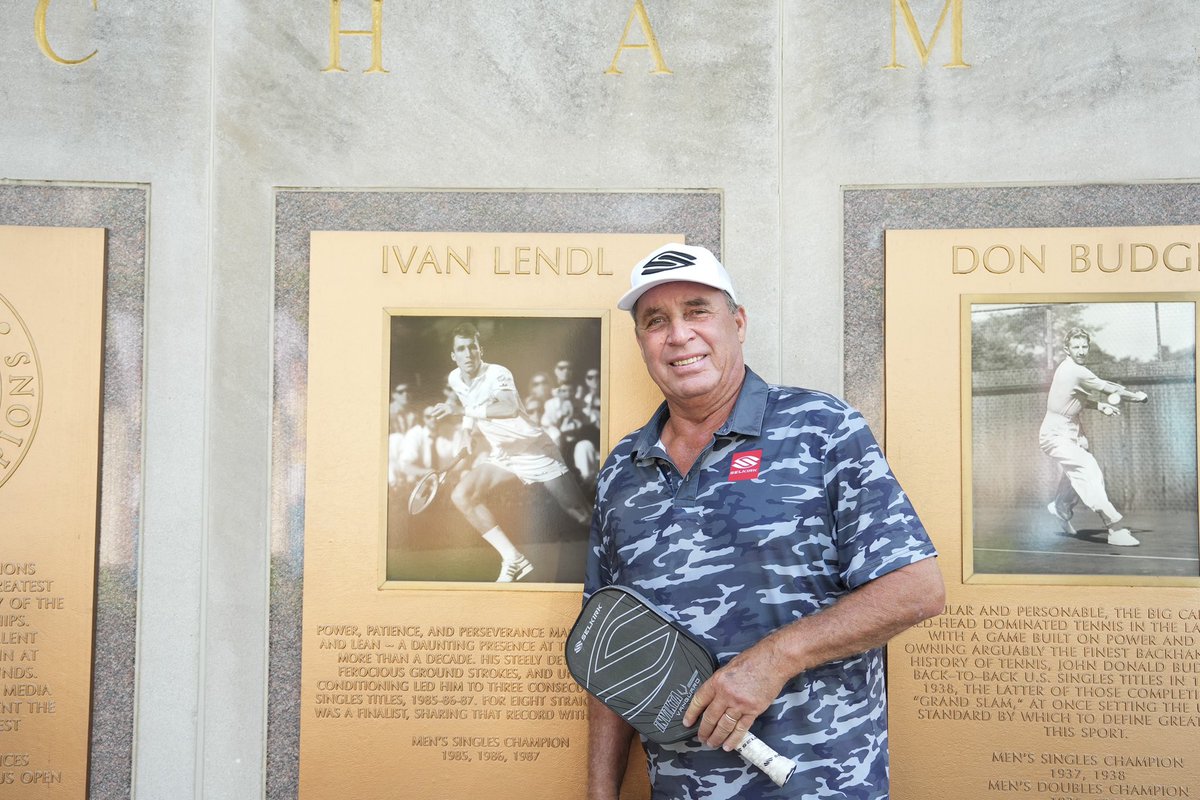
39	32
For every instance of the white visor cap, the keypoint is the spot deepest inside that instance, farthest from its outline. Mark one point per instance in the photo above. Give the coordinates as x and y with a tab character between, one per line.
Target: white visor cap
676	262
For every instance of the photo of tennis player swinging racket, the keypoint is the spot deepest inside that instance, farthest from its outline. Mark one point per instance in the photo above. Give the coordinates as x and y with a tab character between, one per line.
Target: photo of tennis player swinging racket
427	488
644	666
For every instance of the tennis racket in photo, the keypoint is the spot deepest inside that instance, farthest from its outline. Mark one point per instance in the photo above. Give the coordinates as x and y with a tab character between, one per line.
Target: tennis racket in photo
644	666
427	488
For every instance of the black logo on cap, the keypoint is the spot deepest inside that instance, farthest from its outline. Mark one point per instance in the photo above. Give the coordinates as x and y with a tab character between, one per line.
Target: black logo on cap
667	261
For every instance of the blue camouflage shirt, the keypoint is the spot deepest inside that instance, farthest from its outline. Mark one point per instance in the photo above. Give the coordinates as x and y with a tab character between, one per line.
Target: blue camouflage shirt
792	507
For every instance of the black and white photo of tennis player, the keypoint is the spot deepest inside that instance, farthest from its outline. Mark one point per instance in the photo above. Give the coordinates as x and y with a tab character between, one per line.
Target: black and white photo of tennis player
509	502
1074	388
1083	446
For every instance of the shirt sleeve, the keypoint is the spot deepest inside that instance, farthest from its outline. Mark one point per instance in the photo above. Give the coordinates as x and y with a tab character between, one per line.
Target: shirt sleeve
876	529
598	571
500	379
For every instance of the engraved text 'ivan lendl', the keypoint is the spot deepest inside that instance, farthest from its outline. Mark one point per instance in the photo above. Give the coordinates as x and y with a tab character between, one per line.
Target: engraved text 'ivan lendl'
520	260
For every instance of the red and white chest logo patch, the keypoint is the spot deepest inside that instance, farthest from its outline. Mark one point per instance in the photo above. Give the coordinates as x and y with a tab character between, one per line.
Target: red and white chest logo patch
745	465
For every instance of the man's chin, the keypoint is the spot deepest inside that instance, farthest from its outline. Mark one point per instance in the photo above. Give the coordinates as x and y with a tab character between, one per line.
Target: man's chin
688	388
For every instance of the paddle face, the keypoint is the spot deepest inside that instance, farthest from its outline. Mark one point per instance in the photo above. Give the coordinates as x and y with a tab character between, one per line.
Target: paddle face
637	662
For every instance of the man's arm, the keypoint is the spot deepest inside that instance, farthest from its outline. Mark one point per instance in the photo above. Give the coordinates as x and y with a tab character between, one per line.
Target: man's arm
503	404
609	738
450	407
863	619
1094	386
1110	409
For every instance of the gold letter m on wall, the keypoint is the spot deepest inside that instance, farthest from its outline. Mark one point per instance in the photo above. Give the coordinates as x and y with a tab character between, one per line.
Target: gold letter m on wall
955	7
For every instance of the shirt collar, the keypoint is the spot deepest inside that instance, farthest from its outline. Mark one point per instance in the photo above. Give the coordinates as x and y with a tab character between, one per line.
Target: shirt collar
746	417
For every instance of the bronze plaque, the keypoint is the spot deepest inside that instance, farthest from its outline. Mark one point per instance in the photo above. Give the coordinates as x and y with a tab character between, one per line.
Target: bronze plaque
51	317
420	672
1041	412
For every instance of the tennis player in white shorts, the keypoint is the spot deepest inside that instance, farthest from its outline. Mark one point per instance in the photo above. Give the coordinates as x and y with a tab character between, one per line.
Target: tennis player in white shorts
488	401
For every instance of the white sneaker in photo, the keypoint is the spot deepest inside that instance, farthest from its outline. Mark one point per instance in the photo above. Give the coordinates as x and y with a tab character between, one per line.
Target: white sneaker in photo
514	570
1063	521
1121	537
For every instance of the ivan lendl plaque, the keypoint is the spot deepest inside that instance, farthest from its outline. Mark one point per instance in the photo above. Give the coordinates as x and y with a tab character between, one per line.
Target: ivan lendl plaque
1041	410
432	654
51	314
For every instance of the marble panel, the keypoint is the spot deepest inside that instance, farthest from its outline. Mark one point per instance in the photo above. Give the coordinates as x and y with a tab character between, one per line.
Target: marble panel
697	214
122	212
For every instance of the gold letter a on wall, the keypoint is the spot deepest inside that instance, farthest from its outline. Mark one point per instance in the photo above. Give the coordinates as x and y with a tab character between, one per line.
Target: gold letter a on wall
651	43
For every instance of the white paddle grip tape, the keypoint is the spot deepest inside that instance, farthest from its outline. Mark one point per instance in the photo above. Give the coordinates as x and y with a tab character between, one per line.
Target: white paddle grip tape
754	752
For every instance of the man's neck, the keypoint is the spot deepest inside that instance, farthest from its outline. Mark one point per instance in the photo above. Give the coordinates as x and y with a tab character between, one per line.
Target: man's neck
690	427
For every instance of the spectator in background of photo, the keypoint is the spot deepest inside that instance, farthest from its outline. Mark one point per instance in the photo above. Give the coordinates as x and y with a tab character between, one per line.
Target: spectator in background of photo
429	446
400	416
539	393
1073	388
400	420
558	413
591	396
578	439
564	372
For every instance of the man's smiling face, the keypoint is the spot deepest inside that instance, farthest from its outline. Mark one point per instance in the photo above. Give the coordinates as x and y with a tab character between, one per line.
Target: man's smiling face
690	340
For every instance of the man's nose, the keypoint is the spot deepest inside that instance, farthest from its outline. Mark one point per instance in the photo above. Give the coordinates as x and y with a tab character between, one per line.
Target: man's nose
679	331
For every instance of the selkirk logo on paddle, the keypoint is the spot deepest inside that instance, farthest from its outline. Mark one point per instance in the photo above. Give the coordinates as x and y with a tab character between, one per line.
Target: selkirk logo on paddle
20	390
745	465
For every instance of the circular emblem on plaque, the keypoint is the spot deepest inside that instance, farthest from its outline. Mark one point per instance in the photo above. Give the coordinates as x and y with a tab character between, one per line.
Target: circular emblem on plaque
20	390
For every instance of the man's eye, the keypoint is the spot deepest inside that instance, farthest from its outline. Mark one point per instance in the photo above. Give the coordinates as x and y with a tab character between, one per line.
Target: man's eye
654	323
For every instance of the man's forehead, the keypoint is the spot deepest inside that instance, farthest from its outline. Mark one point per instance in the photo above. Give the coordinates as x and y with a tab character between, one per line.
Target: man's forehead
678	293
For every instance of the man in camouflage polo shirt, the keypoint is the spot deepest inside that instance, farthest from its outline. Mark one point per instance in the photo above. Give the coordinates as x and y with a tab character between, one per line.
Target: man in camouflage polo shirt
765	519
